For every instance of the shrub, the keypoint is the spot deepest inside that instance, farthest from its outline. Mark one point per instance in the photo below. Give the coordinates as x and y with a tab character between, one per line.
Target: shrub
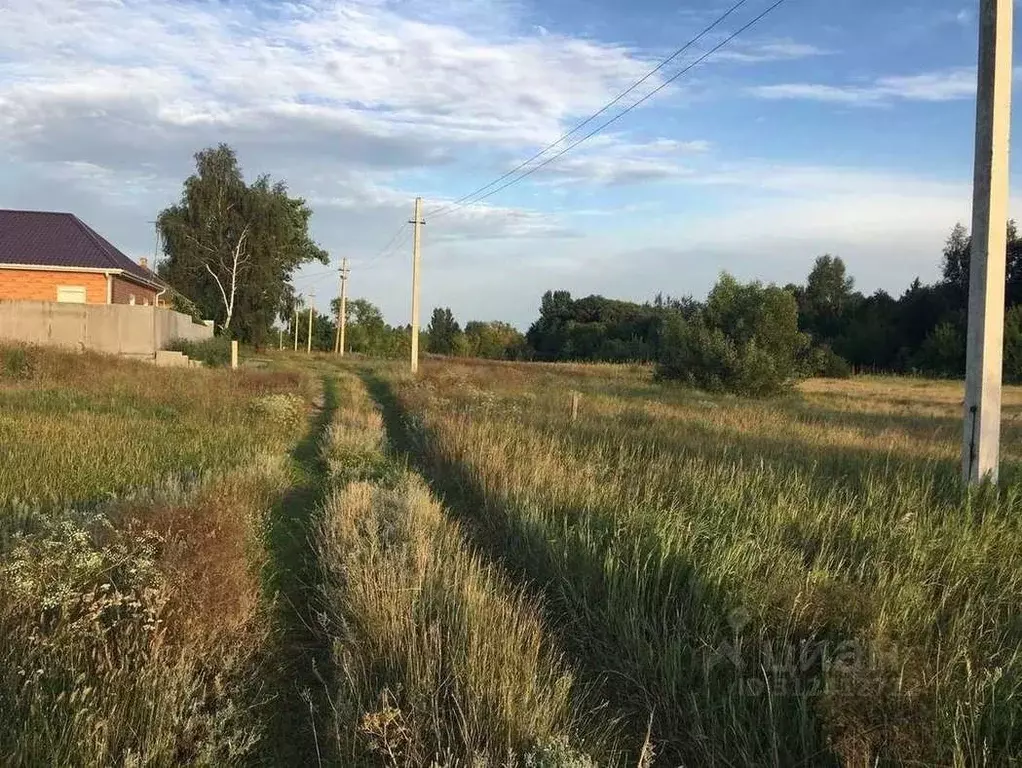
746	340
824	362
213	352
16	363
1013	345
942	353
694	354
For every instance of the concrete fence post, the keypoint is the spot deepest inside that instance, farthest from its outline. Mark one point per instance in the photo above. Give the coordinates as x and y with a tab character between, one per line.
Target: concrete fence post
234	355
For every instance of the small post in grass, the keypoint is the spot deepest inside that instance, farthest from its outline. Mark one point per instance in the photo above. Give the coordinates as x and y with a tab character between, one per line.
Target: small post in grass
234	355
575	397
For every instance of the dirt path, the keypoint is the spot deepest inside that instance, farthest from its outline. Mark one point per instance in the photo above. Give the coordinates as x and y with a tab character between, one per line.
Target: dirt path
300	668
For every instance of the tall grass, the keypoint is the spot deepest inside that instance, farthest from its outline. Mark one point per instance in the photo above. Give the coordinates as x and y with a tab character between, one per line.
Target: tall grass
131	613
438	660
86	427
762	583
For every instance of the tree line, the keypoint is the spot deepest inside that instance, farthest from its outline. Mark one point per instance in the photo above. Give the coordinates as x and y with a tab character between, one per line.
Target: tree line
232	248
756	338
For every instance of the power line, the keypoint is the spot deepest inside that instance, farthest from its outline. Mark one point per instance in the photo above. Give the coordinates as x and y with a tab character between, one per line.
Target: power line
720	19
619	115
401	228
396	245
390	247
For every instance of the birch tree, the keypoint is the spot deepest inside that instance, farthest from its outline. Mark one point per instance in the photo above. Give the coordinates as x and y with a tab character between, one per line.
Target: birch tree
232	247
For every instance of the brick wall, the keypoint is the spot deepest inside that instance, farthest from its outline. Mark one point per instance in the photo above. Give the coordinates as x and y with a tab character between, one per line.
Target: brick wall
124	290
41	285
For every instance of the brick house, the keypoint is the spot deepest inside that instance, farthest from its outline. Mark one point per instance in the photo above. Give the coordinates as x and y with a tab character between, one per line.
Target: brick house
57	257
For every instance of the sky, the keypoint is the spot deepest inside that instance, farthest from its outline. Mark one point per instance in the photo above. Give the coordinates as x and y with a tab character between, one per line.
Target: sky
832	126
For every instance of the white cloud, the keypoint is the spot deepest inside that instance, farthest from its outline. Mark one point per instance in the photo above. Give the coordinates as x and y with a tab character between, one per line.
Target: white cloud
357	68
946	85
889	228
361	104
103	102
611	160
766	51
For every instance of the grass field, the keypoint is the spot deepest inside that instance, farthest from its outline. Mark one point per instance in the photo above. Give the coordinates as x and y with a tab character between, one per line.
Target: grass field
133	502
788	582
323	563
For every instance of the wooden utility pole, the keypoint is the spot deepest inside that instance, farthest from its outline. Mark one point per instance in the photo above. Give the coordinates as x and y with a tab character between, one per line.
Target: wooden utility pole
417	223
985	345
296	327
308	341
343	310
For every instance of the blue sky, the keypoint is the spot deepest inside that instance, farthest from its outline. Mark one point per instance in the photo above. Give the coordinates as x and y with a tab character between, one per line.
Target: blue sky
841	126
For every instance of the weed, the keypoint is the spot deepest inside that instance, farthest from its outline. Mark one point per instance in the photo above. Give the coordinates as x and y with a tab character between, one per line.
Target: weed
438	659
16	363
759	583
131	500
214	352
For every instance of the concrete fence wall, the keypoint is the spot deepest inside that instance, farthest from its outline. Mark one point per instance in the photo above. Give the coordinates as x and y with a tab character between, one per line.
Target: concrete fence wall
119	329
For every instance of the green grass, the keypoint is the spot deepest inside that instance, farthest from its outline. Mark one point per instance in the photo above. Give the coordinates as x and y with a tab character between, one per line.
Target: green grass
81	428
133	619
436	656
799	581
198	567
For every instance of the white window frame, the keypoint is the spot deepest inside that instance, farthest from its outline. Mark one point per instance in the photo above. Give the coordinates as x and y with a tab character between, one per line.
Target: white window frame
78	289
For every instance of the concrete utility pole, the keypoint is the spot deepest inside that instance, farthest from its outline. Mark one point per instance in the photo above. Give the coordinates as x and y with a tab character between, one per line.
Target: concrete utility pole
985	346
417	223
341	315
296	327
308	341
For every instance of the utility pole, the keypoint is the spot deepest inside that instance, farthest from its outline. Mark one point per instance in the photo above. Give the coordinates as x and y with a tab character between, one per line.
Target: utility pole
343	310
296	327
985	345
417	223
308	341
280	338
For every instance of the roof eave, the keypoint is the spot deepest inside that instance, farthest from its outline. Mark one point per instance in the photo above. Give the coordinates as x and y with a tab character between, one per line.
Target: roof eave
91	270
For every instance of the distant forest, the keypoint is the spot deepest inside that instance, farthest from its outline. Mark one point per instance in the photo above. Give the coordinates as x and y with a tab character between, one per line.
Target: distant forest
744	337
921	331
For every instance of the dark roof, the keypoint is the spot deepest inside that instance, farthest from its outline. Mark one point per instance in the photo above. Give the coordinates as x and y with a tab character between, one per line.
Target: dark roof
46	239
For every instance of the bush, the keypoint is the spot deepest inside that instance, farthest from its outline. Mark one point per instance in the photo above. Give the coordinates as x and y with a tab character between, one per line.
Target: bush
16	363
746	340
692	353
822	361
213	352
1013	345
942	352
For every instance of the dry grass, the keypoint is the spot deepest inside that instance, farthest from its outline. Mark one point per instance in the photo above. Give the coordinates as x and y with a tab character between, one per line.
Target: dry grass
132	502
437	657
783	582
87	427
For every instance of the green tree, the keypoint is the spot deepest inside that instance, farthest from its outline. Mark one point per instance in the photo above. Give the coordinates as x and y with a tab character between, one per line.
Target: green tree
443	332
232	247
955	267
367	333
494	340
957	259
942	352
1013	345
826	299
745	340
